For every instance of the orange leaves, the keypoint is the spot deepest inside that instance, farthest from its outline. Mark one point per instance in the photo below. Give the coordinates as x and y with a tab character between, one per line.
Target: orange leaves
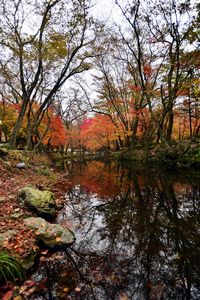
22	244
147	70
98	132
56	134
51	123
134	88
8	116
8	295
101	133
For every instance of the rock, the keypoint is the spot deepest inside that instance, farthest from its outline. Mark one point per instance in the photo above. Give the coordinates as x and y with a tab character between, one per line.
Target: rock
36	223
6	236
7	164
21	166
51	235
20	215
40	201
28	261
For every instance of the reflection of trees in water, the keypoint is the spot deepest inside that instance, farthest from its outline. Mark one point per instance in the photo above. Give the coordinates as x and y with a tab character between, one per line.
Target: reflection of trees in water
150	232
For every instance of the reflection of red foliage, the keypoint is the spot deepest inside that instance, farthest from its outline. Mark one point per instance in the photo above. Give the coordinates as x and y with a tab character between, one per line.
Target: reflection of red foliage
100	179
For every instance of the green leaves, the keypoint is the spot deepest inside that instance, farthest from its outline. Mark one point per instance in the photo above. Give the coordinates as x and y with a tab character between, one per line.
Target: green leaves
10	269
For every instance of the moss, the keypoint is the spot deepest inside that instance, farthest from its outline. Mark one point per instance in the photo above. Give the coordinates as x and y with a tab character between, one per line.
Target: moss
40	201
28	261
45	171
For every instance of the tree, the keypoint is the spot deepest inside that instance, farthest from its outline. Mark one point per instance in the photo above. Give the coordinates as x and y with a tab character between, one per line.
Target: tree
169	23
98	133
129	76
148	65
8	116
56	132
35	63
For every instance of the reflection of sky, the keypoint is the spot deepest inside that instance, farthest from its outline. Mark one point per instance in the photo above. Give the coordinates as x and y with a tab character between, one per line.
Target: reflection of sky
147	244
89	225
87	221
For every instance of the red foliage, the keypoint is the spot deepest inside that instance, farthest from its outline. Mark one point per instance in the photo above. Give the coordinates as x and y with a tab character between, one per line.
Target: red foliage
97	132
147	70
56	135
8	295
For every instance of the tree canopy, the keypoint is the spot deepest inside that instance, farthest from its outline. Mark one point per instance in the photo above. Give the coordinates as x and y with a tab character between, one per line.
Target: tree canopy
144	68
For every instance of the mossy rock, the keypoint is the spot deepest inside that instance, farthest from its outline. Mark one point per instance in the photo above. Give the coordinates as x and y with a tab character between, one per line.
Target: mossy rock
20	215
28	262
41	202
50	235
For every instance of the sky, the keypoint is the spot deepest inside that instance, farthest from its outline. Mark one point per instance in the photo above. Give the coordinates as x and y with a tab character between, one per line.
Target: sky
106	10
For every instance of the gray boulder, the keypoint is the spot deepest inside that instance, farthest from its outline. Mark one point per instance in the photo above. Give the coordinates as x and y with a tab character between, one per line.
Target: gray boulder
51	235
40	201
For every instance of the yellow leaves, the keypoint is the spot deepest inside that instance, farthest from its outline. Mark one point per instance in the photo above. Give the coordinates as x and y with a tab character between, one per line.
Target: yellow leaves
55	47
123	296
58	239
66	290
35	248
17	298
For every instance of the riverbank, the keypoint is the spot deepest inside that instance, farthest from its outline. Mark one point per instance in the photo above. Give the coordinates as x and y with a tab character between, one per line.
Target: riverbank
181	154
185	154
19	169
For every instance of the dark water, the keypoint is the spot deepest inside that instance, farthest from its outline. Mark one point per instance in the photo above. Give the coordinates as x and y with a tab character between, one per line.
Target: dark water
137	235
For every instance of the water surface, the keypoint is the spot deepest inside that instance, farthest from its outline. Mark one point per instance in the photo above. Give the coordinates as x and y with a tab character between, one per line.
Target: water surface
137	234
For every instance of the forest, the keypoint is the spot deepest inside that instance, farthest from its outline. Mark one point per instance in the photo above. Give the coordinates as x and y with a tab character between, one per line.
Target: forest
73	82
99	149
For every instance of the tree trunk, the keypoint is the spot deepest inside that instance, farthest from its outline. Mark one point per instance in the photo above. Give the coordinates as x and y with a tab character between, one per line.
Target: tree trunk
170	125
190	113
18	124
134	132
29	144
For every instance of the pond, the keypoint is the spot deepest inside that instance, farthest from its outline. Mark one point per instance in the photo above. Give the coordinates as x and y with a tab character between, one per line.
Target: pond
137	235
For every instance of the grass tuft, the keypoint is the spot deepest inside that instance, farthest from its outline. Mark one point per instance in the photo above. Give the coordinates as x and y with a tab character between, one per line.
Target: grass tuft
10	269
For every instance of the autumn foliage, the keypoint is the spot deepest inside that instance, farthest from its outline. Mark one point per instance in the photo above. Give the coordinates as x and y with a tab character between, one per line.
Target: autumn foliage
98	133
56	135
51	129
